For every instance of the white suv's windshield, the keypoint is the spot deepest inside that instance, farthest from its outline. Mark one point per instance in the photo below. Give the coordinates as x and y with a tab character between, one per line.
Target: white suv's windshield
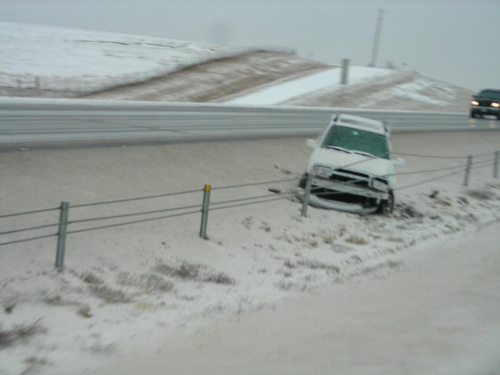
357	140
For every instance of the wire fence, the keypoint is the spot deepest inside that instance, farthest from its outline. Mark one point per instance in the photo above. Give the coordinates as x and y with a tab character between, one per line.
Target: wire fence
66	227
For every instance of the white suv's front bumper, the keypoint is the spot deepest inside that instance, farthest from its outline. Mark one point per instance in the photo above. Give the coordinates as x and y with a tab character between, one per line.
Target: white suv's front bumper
329	204
345	187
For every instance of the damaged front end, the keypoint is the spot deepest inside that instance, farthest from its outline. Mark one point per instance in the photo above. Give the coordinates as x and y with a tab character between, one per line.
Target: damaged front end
345	190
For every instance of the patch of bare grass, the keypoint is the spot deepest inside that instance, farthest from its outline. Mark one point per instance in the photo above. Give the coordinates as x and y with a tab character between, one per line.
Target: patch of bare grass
317	265
357	240
338	248
218	278
286	285
84	312
146	306
57	300
395	239
216	79
443	202
394	263
9	304
147	282
328	239
34	364
375	269
183	271
247	222
19	333
356	259
99	348
91	278
108	294
481	194
407	211
313	243
195	272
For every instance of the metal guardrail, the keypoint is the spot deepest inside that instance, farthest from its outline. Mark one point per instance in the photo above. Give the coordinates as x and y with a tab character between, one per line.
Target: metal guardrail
67	227
203	207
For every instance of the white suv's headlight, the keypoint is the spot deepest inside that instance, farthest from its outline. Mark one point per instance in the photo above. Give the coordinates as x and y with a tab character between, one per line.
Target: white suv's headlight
380	186
321	170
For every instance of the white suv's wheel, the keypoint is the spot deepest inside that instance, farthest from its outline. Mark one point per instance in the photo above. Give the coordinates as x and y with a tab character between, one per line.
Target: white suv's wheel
386	207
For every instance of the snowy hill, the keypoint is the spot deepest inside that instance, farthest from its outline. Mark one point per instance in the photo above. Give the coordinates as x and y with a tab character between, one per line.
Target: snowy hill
40	61
79	60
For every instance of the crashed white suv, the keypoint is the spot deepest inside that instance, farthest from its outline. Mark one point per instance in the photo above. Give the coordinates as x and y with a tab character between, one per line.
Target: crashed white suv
351	167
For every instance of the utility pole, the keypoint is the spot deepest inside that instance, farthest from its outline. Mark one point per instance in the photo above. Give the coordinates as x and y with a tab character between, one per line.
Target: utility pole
378	30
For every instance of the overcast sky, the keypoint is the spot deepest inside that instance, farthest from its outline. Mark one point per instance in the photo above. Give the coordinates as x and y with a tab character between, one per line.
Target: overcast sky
456	41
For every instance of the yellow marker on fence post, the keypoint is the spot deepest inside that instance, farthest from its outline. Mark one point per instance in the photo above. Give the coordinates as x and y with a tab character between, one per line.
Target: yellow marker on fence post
204	212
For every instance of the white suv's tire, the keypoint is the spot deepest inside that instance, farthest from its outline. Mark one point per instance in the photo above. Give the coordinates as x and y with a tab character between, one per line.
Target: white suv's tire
386	207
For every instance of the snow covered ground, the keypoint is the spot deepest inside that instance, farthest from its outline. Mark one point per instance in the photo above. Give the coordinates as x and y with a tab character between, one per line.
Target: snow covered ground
66	59
126	292
41	61
437	313
277	93
129	292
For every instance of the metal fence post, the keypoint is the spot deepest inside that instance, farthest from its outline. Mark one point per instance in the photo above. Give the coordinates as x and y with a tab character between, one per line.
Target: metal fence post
344	77
204	212
495	164
467	170
61	235
307	192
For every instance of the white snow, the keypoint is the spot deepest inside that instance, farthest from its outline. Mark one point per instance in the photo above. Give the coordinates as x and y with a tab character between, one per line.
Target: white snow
432	308
113	303
114	306
54	61
81	60
279	92
411	89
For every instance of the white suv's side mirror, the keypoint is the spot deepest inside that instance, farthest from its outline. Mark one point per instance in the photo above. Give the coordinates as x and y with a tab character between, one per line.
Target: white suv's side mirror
311	143
398	162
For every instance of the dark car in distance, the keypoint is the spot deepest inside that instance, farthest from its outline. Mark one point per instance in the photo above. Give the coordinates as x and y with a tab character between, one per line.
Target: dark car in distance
487	102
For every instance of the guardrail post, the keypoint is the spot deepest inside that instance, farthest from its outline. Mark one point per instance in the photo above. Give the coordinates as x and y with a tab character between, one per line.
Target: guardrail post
204	212
307	192
61	235
467	170
495	164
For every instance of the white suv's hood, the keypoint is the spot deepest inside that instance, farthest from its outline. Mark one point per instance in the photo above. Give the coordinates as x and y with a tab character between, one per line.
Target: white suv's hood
340	159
